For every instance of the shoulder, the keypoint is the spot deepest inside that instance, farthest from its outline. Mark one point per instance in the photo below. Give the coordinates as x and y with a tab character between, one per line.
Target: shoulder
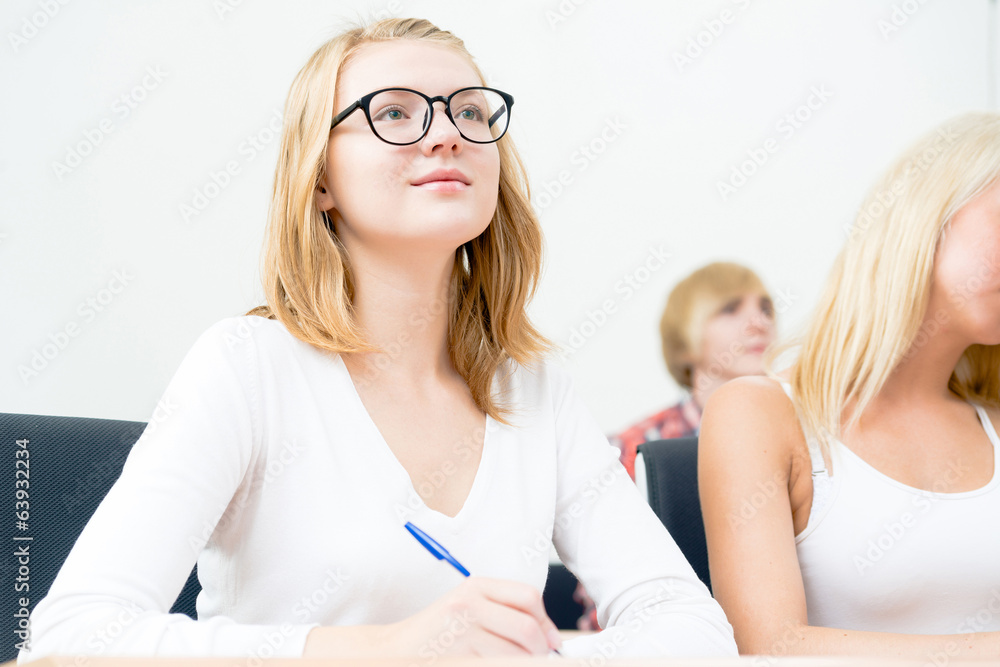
750	417
756	398
244	344
541	376
232	331
542	387
250	336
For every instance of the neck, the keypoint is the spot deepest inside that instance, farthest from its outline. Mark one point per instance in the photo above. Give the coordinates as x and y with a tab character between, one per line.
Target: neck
402	303
704	385
921	378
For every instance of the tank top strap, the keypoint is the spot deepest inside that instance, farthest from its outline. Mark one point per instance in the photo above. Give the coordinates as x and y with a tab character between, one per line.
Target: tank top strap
815	452
823	484
991	432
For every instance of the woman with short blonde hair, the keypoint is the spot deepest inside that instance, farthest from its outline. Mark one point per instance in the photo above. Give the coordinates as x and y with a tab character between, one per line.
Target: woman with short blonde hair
708	292
716	325
851	502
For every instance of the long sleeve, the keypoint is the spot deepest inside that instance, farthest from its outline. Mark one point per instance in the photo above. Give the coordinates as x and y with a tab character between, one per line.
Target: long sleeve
648	597
113	594
260	438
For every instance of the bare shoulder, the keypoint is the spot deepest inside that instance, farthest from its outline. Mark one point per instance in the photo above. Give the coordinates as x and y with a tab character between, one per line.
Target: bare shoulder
750	427
752	404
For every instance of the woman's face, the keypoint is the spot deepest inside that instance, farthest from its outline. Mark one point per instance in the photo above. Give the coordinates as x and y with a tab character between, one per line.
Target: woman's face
735	338
433	195
965	290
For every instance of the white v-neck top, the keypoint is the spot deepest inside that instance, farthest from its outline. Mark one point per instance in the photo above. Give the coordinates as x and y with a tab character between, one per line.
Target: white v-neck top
268	471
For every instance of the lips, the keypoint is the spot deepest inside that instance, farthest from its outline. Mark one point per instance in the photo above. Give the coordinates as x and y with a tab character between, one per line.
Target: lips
443	175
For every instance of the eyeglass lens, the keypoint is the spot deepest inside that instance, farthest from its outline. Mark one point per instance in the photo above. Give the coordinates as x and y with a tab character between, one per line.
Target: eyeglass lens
400	116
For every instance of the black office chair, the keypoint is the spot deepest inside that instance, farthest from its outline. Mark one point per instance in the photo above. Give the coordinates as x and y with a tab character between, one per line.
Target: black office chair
71	464
558	597
672	481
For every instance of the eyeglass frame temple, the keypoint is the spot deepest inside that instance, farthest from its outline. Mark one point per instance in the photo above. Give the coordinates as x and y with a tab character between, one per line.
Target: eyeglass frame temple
339	118
501	111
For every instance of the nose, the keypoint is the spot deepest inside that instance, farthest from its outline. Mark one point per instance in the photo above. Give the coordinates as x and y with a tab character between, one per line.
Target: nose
443	134
758	322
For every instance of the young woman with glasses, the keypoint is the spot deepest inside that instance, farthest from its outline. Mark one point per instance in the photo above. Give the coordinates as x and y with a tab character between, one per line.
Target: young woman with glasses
393	377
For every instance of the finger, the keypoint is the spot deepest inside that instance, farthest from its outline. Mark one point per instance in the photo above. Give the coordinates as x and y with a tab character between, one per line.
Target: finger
511	624
522	597
487	644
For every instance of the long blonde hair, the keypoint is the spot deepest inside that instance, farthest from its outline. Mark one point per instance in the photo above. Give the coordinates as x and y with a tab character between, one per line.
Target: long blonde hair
870	314
306	272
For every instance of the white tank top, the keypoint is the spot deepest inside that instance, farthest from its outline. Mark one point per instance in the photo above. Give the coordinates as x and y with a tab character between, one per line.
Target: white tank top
882	556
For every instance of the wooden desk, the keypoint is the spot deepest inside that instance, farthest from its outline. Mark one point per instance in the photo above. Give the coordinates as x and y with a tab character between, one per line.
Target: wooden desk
746	661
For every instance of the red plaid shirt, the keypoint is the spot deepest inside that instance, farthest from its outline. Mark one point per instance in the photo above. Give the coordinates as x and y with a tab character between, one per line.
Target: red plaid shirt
679	421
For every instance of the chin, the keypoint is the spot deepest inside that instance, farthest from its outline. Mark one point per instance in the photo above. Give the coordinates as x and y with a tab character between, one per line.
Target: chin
990	340
474	230
984	332
451	238
465	234
750	367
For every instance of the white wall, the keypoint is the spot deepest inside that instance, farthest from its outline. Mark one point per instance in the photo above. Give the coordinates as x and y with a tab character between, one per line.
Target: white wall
673	132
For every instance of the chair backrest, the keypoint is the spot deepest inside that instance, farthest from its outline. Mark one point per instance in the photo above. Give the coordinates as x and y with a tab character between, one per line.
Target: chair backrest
69	465
672	481
558	597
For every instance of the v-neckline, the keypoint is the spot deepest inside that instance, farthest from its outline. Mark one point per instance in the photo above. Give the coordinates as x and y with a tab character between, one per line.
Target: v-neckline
479	482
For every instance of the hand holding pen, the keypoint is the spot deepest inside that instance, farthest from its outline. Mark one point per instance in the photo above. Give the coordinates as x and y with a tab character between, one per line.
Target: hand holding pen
488	616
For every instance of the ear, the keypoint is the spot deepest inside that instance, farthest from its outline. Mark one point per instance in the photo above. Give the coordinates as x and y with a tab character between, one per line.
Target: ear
689	364
324	199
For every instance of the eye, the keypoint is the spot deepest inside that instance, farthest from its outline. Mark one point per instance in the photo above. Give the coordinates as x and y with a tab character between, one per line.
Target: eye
731	306
470	114
390	113
766	307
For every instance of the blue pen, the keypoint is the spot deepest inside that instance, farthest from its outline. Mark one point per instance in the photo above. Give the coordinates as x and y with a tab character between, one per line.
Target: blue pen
441	553
431	545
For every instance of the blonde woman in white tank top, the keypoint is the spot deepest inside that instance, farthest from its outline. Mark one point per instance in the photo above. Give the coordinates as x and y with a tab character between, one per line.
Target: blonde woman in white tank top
852	503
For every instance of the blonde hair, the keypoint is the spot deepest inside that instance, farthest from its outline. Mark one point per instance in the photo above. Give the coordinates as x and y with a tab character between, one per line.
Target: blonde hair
690	305
870	313
307	275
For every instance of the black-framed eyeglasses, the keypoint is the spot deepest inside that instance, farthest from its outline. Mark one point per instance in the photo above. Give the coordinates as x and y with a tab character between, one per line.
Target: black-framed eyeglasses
401	116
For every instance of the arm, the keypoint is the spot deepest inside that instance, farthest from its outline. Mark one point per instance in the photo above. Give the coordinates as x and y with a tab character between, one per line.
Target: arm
751	440
482	616
113	593
648	598
187	474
